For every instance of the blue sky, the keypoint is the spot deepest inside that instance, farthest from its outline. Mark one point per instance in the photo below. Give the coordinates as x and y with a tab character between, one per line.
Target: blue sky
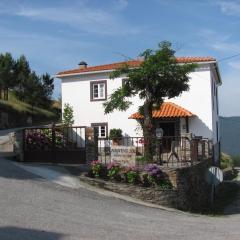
55	35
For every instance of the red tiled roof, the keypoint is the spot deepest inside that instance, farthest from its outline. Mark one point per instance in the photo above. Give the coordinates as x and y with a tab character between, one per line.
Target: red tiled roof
131	63
167	110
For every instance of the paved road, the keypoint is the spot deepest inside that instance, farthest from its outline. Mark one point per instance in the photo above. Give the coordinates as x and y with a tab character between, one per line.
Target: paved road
34	209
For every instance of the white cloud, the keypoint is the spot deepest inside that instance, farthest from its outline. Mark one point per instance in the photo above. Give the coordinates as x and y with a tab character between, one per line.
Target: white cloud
220	42
80	17
229	7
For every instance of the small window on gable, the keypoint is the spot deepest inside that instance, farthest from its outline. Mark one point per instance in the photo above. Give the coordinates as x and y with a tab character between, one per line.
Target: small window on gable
102	129
98	90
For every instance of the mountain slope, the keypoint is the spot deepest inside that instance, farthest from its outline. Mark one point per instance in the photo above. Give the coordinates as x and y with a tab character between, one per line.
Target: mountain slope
230	135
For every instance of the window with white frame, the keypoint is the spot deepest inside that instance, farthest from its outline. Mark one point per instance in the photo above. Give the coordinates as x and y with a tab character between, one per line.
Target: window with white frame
98	90
102	129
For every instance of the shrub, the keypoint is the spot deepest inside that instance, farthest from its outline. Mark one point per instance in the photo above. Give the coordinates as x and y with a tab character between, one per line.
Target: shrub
236	161
97	169
226	161
154	174
131	174
115	133
113	171
68	118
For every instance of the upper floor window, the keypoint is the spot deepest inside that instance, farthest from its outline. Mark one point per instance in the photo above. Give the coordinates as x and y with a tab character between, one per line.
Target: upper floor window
98	90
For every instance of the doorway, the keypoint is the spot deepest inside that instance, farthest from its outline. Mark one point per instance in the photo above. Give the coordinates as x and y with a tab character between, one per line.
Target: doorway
169	128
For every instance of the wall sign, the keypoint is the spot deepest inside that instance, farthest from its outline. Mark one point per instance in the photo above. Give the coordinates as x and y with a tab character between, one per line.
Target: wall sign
124	155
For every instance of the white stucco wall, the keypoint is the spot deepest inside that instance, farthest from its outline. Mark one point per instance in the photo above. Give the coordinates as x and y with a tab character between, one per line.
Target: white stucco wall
76	92
198	100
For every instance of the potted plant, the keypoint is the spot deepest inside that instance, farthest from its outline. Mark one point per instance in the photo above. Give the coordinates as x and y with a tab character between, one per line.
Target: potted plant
116	136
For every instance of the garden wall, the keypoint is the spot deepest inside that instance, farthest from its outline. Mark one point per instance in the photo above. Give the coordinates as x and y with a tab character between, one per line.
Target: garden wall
190	191
193	192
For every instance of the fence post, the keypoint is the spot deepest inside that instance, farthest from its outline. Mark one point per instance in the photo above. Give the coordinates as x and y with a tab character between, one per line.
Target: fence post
194	150
95	130
53	143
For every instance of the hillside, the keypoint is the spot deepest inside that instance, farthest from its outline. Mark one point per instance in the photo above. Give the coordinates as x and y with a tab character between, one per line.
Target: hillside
18	113
230	135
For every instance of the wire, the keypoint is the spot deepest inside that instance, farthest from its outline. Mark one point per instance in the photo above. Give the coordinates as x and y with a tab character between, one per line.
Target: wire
230	57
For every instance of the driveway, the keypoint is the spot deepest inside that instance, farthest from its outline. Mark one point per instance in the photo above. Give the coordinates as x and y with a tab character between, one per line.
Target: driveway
33	208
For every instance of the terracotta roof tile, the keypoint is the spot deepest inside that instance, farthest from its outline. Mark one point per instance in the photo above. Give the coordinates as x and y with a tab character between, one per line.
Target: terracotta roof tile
167	110
131	63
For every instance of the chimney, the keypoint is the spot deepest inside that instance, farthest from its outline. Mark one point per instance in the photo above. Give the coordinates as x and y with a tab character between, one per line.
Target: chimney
82	65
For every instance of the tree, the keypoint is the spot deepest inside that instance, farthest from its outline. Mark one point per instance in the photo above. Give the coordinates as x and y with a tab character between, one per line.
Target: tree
48	85
68	115
159	76
22	72
7	74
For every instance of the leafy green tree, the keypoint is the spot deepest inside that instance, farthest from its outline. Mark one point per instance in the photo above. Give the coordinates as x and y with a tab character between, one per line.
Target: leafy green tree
68	115
7	74
158	77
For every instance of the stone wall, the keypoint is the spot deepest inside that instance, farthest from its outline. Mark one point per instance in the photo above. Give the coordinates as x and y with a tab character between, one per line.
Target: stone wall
193	190
190	191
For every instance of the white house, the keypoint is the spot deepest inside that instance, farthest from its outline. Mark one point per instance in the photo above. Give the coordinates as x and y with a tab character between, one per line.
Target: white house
195	111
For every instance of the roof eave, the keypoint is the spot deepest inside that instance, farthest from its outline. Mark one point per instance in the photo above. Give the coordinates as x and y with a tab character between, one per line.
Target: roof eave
110	70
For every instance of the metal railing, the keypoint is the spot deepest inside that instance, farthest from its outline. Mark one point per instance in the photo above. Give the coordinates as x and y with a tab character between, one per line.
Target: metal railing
55	144
169	151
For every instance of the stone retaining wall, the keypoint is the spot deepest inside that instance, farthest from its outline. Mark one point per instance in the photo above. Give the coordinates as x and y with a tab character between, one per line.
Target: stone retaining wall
190	191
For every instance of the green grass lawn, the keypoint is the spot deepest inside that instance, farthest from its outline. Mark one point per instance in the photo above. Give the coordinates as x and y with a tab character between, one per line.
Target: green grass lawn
19	110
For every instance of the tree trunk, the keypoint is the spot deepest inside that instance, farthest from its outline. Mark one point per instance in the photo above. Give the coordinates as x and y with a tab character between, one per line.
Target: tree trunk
148	131
0	93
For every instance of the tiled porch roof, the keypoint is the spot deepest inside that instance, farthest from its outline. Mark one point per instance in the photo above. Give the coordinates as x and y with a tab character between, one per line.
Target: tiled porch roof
167	110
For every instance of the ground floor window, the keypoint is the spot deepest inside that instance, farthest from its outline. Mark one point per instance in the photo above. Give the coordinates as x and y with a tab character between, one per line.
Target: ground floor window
102	129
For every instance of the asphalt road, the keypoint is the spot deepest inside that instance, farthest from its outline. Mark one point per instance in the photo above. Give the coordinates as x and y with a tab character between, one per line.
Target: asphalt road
33	209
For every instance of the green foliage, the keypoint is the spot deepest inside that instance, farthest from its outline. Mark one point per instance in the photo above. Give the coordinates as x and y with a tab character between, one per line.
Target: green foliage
113	170
115	133
236	161
68	115
98	169
226	161
164	185
27	85
158	77
15	105
132	176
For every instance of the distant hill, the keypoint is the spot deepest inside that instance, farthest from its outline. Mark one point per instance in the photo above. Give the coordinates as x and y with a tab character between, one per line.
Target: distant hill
18	112
230	135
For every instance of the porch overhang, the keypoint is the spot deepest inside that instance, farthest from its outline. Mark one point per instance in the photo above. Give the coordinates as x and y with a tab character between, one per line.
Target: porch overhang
167	110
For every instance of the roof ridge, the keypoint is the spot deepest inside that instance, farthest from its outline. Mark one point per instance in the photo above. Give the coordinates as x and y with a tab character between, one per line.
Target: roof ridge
134	62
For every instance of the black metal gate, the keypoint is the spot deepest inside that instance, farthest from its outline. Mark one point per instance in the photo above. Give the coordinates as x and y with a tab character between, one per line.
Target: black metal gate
56	144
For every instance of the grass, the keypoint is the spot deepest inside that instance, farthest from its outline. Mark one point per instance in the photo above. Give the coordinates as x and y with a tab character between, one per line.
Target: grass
19	111
16	105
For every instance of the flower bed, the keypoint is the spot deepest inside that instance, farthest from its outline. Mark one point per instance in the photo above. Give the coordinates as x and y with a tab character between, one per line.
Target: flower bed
149	176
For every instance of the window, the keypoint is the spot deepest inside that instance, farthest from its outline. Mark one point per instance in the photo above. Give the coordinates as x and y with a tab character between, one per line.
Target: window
98	90
102	129
124	80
